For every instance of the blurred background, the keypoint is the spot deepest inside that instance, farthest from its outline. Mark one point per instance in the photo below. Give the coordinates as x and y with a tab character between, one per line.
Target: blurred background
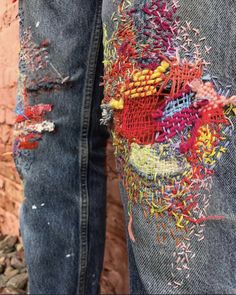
13	271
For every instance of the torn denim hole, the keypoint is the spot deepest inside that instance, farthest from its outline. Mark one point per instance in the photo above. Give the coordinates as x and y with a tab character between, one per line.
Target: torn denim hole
35	63
30	123
171	121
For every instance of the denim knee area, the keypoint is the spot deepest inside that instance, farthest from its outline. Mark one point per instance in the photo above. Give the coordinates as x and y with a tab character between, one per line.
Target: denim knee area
57	140
171	109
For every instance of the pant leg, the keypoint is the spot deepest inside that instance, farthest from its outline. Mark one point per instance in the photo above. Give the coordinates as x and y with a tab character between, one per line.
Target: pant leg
59	145
170	101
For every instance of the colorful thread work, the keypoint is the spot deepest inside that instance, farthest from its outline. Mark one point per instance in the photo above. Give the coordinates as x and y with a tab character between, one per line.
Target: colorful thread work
30	123
170	120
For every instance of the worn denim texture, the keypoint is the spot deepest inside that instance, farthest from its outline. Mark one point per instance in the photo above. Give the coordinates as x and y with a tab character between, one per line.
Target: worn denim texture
62	218
213	270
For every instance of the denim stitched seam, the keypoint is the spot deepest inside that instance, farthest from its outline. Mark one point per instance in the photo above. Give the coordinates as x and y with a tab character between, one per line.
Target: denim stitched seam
85	123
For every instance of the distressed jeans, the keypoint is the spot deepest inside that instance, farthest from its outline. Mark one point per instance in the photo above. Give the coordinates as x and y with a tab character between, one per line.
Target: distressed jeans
160	74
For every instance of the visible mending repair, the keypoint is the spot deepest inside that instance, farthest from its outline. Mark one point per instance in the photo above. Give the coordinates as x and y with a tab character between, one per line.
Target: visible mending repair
30	123
170	119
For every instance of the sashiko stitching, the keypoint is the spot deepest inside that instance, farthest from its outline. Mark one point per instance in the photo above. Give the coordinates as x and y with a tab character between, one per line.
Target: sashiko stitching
170	121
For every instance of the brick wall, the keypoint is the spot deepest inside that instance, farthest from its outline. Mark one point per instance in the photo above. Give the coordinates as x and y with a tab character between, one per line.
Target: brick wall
114	278
10	185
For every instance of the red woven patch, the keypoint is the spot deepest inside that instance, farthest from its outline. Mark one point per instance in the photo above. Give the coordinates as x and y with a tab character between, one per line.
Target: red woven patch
34	112
137	121
29	141
180	76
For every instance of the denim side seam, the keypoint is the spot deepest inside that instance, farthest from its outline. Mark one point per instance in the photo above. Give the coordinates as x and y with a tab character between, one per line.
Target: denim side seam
85	123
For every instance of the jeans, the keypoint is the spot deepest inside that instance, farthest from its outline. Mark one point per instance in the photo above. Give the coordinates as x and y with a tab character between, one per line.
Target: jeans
161	76
62	218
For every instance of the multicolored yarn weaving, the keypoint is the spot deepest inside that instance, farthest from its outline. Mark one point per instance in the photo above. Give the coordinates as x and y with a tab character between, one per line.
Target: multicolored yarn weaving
30	123
170	120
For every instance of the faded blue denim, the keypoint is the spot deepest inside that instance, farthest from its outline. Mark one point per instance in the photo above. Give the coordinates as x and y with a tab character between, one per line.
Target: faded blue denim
62	218
214	270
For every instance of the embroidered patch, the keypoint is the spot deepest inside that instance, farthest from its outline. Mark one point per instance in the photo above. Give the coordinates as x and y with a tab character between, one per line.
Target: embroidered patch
170	119
30	123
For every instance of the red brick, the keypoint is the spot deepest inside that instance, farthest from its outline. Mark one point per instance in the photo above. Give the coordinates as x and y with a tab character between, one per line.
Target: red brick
4	133
10	117
2	148
5	203
9	223
2	115
10	45
8	170
8	12
9	146
1	184
13	191
4	5
8	97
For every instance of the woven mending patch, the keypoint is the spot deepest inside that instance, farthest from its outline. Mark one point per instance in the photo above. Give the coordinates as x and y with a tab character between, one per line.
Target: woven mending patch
30	122
171	123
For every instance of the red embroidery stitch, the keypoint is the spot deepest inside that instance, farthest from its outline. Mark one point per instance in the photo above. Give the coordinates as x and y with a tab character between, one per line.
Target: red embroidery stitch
171	124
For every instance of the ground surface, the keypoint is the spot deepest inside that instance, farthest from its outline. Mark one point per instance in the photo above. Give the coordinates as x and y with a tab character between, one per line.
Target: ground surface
13	271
